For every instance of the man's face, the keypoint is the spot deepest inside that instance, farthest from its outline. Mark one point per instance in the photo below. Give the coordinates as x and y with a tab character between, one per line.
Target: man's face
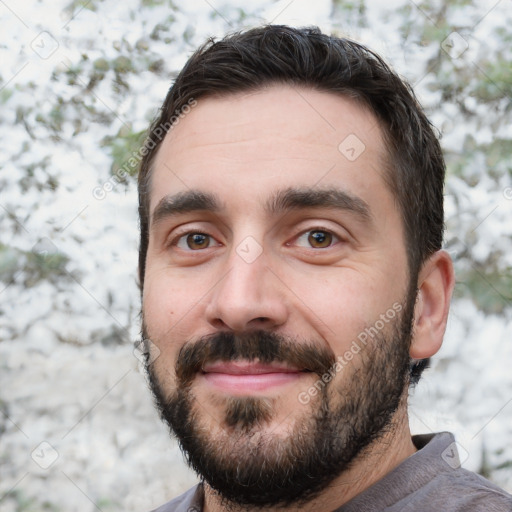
276	254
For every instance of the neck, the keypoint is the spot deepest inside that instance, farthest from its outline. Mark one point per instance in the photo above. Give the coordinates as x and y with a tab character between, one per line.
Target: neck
377	460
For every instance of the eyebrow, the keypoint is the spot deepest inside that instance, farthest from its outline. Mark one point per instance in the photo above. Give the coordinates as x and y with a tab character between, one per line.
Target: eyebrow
281	202
184	202
299	198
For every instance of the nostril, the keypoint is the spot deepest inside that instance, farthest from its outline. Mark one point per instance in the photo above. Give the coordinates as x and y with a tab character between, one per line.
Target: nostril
219	323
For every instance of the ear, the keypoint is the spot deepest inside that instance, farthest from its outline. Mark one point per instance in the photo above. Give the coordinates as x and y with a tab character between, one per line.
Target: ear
435	286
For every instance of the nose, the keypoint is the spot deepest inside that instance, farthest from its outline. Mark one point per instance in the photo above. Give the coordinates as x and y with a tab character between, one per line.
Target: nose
250	296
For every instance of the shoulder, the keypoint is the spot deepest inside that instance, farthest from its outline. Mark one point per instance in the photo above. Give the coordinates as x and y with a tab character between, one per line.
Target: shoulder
190	501
463	490
432	480
448	486
445	485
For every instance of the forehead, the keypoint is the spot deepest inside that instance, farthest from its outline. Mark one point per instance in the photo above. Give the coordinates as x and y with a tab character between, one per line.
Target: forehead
270	139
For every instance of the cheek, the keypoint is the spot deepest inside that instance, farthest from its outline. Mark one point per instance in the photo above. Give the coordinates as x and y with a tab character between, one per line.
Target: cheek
163	307
340	306
331	293
166	297
156	307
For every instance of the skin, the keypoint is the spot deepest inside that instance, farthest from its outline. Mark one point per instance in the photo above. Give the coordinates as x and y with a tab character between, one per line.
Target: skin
244	149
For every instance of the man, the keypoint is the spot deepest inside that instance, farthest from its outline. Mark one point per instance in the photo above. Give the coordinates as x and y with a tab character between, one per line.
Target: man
293	281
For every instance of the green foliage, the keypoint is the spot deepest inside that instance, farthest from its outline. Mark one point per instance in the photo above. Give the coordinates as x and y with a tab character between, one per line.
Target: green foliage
32	267
468	84
505	465
77	5
101	65
55	118
498	156
161	28
5	94
122	64
124	150
106	504
491	290
152	3
349	5
24	503
349	14
496	80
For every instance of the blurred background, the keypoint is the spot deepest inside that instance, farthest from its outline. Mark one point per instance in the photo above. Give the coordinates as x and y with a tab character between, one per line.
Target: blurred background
79	83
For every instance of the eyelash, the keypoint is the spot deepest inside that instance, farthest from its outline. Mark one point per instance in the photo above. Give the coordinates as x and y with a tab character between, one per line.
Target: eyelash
335	238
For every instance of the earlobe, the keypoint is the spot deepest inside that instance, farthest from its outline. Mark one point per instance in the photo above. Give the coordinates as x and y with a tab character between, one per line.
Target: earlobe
435	287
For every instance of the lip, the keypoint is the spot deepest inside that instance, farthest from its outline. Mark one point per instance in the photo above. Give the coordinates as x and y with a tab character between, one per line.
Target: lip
248	368
242	377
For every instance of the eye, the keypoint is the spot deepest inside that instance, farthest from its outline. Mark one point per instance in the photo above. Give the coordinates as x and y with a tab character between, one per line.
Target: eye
317	238
194	241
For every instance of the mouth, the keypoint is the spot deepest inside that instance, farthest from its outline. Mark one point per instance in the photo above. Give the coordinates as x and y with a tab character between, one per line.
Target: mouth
242	377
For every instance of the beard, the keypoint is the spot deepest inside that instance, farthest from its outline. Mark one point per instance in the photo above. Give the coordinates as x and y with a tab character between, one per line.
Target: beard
249	463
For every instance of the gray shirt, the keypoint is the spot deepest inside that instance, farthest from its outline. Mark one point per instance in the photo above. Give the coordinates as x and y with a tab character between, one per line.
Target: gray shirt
430	480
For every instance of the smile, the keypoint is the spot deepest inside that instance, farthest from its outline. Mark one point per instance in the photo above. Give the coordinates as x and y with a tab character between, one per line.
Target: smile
239	378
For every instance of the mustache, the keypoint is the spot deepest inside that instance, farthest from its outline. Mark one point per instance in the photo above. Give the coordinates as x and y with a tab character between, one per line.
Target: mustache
266	347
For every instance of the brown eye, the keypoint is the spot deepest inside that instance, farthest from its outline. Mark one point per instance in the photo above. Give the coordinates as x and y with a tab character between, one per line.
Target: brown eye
198	241
194	241
319	239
